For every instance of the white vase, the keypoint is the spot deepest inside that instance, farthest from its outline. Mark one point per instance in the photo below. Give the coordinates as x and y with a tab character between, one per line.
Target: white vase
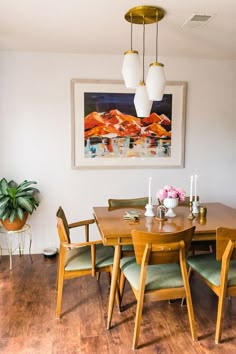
170	204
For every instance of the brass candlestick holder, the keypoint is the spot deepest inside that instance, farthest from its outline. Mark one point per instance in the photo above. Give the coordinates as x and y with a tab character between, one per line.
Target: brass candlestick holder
191	216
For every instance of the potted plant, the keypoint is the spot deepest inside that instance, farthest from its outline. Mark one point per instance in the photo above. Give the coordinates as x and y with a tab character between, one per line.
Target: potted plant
16	202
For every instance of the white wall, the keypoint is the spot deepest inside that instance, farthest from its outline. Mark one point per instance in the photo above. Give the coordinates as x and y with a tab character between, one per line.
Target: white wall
35	135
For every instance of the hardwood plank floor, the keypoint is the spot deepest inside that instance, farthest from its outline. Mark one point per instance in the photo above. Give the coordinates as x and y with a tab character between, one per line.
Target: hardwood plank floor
28	324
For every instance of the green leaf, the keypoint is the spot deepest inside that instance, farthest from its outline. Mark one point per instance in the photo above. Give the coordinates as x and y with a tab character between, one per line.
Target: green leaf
3	186
12	184
24	185
6	214
20	213
12	215
2	212
28	191
4	201
26	204
12	192
36	204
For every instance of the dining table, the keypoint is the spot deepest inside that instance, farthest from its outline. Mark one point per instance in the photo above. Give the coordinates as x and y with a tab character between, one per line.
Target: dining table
116	231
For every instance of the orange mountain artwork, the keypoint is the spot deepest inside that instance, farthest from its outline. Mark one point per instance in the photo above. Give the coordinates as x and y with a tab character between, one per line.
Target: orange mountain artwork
114	134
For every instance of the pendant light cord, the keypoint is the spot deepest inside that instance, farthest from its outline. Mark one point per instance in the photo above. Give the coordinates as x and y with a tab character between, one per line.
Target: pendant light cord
156	34
131	33
143	44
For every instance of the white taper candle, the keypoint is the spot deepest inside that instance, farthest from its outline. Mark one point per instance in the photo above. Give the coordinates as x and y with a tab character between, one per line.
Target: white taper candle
149	190
191	189
195	187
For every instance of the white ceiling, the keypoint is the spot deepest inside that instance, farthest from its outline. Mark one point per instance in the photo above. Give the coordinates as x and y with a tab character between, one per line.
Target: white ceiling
99	27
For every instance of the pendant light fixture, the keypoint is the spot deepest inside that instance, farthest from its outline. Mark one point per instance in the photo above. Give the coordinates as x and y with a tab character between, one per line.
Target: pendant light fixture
156	79
141	101
131	70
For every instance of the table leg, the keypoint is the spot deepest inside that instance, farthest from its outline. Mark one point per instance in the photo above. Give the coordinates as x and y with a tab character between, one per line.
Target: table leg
114	278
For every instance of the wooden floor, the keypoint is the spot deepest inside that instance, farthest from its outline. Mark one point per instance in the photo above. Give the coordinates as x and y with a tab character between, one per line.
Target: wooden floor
28	324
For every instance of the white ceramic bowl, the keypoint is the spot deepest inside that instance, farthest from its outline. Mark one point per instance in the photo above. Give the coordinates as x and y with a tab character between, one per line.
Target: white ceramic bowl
49	252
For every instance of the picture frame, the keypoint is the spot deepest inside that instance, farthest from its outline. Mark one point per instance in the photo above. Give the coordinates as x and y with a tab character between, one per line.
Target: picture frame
103	138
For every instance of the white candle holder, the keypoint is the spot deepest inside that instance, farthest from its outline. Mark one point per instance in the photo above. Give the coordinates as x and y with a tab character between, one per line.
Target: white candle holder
195	207
149	210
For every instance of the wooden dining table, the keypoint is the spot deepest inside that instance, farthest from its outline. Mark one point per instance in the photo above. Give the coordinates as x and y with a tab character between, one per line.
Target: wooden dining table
116	231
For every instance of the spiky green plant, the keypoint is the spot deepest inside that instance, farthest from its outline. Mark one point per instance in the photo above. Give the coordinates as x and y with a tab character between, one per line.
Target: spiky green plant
16	199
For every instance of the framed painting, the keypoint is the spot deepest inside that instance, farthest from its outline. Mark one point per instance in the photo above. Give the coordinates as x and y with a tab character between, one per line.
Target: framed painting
107	133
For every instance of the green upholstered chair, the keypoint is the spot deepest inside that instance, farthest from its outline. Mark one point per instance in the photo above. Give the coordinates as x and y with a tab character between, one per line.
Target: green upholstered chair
137	203
127	203
218	271
158	271
79	259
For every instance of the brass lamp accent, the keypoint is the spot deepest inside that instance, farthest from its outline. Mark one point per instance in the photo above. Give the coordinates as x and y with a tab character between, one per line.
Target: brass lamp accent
148	13
143	15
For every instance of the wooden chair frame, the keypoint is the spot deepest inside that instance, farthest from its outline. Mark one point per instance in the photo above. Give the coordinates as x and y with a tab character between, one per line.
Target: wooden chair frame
159	248
225	251
66	244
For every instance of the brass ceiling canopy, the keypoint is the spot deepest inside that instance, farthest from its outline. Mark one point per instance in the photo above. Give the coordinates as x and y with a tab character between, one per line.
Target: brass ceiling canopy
144	14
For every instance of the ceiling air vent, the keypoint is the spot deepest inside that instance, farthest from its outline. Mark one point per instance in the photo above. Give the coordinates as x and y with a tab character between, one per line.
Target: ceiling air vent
197	20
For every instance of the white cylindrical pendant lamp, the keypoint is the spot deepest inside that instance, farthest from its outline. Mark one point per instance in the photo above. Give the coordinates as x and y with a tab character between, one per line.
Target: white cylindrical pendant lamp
156	81
142	103
131	69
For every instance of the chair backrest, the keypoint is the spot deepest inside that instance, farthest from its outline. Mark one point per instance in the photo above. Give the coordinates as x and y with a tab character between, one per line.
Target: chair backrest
62	226
127	203
223	235
164	246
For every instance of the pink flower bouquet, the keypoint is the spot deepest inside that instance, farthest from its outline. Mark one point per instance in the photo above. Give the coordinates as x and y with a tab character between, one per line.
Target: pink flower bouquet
171	192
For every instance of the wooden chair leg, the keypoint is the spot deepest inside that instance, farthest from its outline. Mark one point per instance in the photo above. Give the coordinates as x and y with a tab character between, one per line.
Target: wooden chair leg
115	276
138	319
183	301
220	317
59	296
57	279
117	295
98	275
118	299
109	277
59	266
191	317
122	286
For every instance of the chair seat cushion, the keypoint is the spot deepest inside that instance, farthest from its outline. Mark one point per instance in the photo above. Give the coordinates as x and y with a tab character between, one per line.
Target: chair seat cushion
129	248
209	268
80	258
158	276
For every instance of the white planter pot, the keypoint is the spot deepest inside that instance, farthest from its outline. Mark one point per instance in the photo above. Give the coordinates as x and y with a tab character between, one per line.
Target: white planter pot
170	204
